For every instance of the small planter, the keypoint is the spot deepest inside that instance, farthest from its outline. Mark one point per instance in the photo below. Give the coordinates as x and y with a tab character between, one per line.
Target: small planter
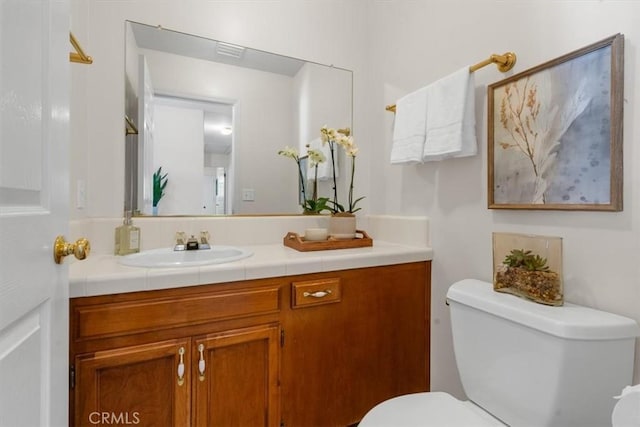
342	226
528	266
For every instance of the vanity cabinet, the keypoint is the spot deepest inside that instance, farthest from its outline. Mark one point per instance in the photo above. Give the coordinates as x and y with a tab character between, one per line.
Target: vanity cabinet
136	384
239	385
308	350
203	356
353	339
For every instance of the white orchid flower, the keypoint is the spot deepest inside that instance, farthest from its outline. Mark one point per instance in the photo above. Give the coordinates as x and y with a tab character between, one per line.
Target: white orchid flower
289	152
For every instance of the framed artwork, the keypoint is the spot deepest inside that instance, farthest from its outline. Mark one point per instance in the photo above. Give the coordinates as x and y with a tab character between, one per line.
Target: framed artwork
555	133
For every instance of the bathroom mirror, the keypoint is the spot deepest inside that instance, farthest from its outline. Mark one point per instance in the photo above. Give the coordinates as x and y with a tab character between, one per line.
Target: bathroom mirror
213	116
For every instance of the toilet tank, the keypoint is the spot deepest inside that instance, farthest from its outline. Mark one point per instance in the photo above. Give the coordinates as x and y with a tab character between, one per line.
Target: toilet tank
535	365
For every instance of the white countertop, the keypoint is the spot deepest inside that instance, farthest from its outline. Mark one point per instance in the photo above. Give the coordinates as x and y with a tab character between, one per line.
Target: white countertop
102	274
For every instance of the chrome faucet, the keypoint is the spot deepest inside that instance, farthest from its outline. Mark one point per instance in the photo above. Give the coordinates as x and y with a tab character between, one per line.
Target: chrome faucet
184	244
192	243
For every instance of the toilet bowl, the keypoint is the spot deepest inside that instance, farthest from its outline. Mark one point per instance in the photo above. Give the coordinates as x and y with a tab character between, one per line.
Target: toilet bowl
626	413
523	364
435	409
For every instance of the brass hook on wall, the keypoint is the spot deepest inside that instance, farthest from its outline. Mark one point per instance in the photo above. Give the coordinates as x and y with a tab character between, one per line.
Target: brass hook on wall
79	55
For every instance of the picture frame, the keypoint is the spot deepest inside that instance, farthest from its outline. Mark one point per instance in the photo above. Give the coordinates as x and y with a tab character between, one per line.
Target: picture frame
555	133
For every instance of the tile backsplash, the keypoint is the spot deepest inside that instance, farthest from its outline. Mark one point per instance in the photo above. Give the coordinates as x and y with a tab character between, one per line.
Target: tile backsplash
157	232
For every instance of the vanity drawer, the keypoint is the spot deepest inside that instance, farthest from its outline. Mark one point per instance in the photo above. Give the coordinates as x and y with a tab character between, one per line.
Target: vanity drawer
315	292
128	317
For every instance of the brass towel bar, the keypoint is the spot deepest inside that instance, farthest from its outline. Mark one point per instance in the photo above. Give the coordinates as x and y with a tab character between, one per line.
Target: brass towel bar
503	62
79	55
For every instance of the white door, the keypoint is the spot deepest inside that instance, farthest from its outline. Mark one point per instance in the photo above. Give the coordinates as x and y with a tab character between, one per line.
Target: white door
34	121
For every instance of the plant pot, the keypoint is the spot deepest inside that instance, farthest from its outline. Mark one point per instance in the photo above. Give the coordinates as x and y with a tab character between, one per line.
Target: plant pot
154	210
342	226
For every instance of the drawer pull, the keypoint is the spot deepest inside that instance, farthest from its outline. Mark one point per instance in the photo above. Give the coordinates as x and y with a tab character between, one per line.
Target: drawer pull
201	364
181	366
317	294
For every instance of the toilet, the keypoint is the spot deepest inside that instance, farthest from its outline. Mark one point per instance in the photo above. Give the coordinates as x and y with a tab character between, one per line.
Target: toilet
523	364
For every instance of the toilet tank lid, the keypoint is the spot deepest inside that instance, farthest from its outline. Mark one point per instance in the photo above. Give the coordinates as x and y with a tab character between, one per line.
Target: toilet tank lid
568	321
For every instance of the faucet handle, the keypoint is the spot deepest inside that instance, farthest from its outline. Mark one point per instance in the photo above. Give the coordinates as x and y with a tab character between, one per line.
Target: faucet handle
181	238
204	240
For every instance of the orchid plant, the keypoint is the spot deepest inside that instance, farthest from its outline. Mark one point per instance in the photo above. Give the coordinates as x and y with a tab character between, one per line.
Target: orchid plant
334	137
315	204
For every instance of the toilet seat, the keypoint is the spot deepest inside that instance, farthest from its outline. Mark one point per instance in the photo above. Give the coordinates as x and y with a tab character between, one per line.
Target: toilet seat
428	409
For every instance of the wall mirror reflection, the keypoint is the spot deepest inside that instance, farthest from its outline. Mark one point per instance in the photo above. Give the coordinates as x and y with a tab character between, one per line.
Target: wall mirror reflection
213	116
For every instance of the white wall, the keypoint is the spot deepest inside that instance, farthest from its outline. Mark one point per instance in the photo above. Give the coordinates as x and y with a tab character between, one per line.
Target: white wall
418	42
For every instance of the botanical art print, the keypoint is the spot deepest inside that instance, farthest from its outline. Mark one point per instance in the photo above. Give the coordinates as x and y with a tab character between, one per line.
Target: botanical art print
555	133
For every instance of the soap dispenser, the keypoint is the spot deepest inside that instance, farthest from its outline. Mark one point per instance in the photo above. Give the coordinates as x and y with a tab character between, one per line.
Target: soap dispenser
127	237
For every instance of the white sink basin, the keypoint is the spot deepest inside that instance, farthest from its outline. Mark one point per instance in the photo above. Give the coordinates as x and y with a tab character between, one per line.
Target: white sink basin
167	257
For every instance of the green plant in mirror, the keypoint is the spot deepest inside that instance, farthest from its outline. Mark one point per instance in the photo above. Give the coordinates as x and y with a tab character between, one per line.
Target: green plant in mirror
159	184
315	204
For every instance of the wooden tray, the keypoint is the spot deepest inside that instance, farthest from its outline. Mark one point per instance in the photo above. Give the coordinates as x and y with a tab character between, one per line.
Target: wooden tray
293	240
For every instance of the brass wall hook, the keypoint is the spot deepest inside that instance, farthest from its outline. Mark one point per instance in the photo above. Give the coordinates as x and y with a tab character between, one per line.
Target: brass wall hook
79	55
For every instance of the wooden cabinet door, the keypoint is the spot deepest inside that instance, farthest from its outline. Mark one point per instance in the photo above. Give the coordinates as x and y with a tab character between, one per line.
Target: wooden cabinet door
236	378
342	358
141	385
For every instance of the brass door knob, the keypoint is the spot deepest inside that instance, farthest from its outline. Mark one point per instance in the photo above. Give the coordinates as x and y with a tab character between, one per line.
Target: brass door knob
61	248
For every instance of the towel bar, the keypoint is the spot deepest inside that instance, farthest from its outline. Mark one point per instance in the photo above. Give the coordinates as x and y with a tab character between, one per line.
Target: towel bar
503	62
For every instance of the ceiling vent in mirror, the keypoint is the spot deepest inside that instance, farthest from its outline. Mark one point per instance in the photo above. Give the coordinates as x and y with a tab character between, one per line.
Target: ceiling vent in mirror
231	50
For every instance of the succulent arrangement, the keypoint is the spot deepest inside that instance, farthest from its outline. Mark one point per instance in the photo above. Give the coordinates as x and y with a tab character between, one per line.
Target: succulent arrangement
526	259
527	274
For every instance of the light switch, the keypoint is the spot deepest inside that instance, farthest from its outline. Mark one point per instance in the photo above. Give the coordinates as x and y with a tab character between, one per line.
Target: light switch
248	194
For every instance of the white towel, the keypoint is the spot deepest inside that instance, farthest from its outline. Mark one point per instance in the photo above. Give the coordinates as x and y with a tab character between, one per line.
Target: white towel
410	128
451	124
324	168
